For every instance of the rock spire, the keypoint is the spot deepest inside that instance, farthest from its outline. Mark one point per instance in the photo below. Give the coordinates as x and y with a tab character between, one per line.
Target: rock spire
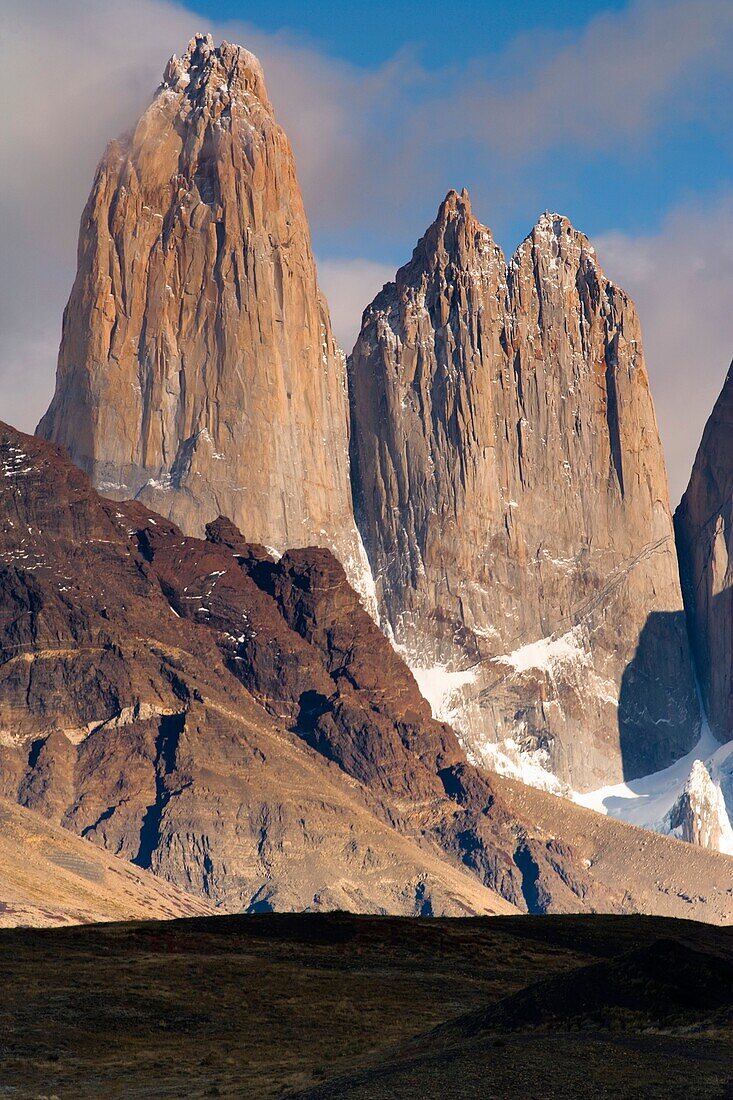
197	370
512	495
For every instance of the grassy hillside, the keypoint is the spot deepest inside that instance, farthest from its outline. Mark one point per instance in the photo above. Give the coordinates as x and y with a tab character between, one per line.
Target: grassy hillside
345	1006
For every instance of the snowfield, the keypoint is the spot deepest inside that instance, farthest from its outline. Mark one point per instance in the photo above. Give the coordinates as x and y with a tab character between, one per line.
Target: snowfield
648	801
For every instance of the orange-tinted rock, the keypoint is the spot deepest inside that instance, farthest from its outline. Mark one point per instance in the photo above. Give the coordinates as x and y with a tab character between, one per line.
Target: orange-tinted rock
511	491
198	371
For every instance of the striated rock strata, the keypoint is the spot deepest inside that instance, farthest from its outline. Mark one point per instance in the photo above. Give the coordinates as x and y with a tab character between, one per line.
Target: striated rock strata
511	492
197	369
241	727
704	528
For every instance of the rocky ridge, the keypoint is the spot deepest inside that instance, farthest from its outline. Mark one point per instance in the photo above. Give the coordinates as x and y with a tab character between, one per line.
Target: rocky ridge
511	492
240	726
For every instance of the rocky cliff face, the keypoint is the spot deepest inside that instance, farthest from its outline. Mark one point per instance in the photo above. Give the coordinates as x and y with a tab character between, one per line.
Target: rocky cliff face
699	814
511	492
241	727
197	369
704	528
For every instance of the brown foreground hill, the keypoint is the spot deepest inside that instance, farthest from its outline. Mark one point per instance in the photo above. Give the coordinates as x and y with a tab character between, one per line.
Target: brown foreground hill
48	876
368	1008
241	727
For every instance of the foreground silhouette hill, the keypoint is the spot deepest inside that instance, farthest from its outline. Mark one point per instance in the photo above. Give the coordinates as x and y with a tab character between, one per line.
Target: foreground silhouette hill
340	1006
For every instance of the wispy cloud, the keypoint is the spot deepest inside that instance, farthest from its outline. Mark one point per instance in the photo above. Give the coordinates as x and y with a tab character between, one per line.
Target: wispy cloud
681	279
620	77
349	286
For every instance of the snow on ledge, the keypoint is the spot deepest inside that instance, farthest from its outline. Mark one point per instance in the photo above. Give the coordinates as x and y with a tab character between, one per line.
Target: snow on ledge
548	654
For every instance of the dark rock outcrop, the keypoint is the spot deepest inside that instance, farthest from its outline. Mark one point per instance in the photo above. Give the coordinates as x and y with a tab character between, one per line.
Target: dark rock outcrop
704	528
120	719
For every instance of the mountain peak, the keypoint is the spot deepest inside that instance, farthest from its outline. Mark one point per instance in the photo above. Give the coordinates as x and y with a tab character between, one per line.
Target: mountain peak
206	71
454	205
222	286
553	226
554	237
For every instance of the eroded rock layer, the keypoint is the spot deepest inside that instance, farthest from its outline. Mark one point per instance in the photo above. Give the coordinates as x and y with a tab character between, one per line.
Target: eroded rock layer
198	370
511	491
704	527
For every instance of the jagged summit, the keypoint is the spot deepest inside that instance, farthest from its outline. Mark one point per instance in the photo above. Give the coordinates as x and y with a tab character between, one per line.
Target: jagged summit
454	203
457	232
457	236
511	491
205	72
554	236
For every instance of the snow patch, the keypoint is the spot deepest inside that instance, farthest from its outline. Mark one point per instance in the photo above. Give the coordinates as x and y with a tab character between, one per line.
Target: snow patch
508	758
359	575
441	687
648	801
548	654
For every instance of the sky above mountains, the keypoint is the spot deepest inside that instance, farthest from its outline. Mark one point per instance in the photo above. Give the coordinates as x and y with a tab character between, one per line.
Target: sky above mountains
616	114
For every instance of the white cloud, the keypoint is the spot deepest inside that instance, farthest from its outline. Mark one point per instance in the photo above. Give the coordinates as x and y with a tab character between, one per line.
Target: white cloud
623	74
681	280
74	75
350	286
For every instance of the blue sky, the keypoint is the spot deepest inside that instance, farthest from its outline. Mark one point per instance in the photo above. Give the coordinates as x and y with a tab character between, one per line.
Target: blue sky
681	150
616	114
368	34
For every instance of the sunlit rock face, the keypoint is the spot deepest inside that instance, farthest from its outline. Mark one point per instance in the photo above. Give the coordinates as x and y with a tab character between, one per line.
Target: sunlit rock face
699	814
704	537
511	491
198	371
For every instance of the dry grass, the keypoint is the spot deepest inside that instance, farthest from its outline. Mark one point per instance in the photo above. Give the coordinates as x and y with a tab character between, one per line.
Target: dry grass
269	1006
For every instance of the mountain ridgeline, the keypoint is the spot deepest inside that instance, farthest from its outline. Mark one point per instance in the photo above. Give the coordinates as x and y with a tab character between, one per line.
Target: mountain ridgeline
191	671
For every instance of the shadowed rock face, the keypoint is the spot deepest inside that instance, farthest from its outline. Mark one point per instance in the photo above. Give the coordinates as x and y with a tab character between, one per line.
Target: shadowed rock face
241	727
197	369
704	527
511	492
